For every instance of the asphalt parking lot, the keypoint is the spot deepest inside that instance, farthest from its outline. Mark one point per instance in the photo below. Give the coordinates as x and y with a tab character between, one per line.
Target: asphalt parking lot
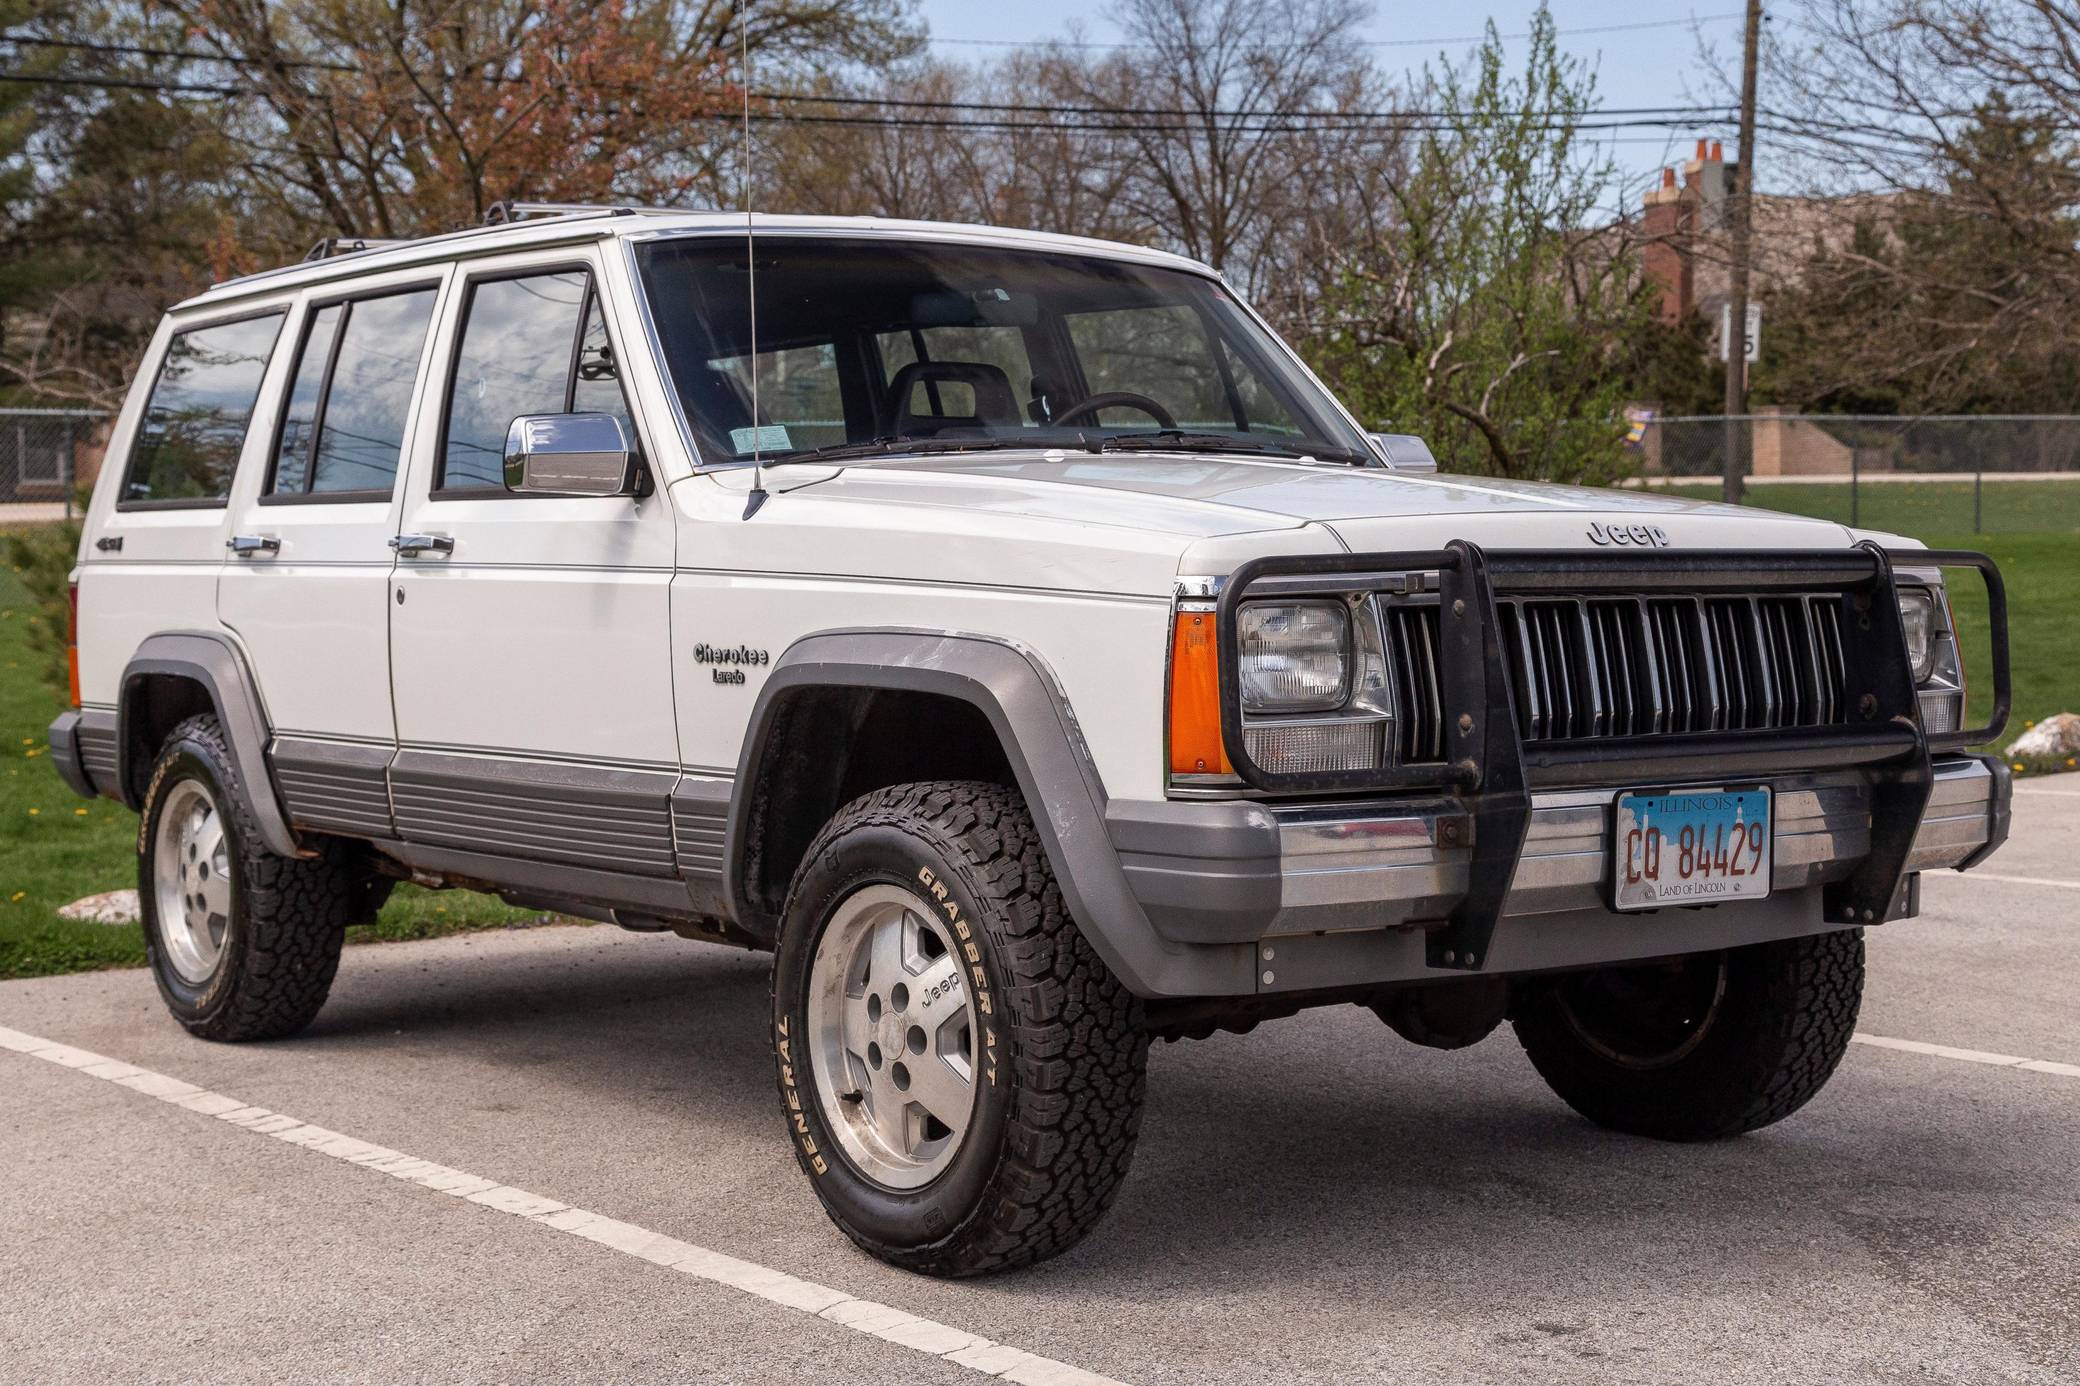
1317	1201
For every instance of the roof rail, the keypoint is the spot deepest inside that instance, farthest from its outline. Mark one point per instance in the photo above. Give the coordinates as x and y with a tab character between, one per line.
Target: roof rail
506	212
347	245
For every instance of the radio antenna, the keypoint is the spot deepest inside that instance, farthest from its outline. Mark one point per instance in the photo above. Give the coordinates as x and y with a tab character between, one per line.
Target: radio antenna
757	496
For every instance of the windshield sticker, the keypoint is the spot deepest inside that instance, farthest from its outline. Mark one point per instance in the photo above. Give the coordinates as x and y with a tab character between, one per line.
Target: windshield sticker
765	438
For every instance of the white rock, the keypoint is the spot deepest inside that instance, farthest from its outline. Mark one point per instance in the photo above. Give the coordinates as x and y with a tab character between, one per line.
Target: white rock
114	907
2054	736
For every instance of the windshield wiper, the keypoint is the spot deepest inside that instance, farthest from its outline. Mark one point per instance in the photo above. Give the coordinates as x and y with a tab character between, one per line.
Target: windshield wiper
1181	440
890	446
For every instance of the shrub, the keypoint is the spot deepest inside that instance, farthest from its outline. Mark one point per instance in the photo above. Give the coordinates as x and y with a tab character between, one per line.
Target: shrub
40	560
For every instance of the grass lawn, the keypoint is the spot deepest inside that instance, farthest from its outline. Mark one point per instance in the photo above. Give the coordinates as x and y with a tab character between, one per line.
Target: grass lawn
56	847
2036	541
1919	508
2042	576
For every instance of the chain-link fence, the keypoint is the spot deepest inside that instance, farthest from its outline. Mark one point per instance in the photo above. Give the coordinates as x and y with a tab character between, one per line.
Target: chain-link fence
46	457
1944	475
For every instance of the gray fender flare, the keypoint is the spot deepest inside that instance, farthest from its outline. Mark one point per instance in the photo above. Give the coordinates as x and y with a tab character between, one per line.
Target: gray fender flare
1039	735
214	662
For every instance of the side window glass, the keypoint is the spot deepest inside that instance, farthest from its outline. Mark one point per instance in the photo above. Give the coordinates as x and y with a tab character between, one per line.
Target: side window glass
343	427
195	422
597	389
292	461
369	400
519	338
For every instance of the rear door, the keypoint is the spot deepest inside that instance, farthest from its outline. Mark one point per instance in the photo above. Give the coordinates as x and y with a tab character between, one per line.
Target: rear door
160	527
307	583
530	636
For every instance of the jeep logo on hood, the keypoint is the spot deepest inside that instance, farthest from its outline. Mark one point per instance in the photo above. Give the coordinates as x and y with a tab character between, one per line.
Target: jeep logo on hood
1646	536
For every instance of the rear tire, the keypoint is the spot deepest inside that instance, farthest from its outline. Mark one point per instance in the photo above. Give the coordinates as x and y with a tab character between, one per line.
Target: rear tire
961	1075
243	942
1701	1047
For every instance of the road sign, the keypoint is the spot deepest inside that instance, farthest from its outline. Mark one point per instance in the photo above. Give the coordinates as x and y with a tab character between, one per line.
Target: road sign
1753	351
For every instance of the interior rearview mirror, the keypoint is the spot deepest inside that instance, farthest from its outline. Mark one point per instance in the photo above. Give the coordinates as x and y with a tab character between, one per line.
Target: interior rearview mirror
570	455
1403	452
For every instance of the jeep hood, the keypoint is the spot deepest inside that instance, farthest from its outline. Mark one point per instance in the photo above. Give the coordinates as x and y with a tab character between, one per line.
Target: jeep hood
1202	498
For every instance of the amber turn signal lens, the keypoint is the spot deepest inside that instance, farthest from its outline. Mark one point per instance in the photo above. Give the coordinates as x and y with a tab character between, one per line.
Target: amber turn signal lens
72	639
1195	698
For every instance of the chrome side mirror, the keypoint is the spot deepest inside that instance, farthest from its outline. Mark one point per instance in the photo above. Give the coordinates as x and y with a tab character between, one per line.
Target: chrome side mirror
570	455
1403	452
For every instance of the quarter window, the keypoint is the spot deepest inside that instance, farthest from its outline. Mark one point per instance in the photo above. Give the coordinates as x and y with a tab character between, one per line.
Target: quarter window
536	344
350	401
195	423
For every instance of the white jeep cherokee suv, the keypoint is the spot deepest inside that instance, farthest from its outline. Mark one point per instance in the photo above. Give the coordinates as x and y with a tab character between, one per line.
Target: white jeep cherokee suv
1009	633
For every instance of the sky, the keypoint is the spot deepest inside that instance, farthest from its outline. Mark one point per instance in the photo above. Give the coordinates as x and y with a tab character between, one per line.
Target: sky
1634	67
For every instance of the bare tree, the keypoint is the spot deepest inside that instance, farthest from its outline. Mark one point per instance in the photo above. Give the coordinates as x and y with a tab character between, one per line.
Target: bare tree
1220	109
1935	263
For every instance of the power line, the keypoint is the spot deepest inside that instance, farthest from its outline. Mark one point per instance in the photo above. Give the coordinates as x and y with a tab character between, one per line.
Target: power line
136	50
1097	119
1042	108
73	79
1662	114
1367	43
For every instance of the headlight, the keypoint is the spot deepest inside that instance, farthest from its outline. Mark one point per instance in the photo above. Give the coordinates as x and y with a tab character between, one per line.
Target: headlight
1296	656
1917	613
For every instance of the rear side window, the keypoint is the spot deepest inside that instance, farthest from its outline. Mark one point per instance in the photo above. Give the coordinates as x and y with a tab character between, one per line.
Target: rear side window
536	344
195	422
344	425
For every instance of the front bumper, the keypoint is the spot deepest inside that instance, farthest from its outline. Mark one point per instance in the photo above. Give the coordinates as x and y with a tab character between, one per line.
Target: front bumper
1358	885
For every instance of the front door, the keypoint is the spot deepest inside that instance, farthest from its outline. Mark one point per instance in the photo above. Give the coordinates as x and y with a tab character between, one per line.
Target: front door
530	635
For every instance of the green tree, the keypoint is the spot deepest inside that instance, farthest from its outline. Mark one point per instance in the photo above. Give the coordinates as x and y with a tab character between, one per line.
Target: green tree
1496	310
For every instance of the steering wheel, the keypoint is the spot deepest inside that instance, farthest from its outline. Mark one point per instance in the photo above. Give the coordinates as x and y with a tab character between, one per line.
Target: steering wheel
1107	399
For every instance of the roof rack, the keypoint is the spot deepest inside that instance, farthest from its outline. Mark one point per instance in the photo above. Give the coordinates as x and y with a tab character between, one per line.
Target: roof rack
505	212
347	245
499	216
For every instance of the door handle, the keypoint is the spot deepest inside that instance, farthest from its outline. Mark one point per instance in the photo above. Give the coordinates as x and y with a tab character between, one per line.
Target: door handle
246	545
412	545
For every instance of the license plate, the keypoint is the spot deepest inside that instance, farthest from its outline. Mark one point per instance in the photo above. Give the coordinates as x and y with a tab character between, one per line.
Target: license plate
1690	847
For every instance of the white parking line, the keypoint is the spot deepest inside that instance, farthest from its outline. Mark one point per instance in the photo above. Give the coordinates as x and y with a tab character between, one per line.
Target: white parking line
1970	1056
892	1325
2014	880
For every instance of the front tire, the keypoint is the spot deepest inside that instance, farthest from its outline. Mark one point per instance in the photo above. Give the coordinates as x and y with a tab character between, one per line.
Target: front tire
1701	1047
242	942
961	1075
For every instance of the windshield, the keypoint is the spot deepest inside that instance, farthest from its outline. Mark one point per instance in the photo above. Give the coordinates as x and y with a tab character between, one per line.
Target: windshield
868	347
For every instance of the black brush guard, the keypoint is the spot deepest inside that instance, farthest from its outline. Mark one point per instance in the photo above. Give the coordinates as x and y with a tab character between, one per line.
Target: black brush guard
1491	769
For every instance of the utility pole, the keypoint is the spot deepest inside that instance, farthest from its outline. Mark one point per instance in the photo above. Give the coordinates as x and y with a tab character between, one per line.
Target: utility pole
1739	203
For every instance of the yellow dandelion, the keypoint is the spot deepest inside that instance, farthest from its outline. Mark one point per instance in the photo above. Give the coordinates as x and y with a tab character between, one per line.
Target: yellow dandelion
79	813
2018	766
28	741
34	812
16	896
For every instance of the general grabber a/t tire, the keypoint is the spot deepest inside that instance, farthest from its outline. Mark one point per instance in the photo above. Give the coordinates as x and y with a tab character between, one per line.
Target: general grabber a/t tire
961	1075
1702	1047
243	943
